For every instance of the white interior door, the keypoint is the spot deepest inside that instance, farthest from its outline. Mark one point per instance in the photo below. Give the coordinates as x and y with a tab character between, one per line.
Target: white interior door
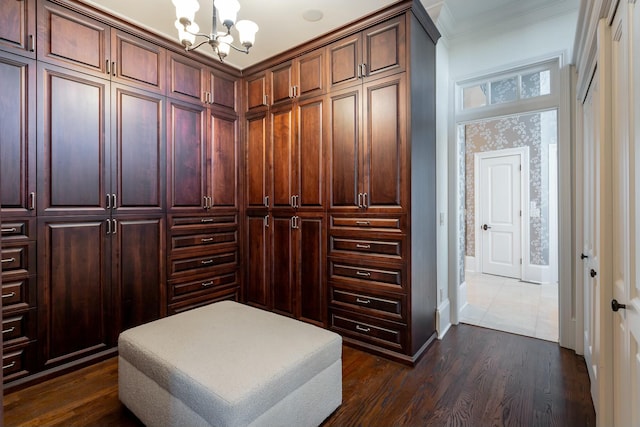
500	214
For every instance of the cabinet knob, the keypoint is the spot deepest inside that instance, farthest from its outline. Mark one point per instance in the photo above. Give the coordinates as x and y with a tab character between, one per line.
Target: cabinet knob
615	305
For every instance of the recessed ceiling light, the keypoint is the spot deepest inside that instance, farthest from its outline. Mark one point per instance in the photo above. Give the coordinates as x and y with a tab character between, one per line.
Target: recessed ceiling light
312	15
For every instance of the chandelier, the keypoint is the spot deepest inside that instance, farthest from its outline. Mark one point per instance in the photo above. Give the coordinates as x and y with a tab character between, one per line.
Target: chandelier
220	41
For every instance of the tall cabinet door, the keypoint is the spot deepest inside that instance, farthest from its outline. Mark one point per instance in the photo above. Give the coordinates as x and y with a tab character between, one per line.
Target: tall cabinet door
138	151
309	156
73	290
384	143
187	156
282	143
223	163
17	135
18	26
258	258
258	159
73	142
283	280
138	273
311	265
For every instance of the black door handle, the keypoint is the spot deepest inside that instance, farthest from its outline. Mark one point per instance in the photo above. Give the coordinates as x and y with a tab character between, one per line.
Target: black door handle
615	305
593	273
583	256
485	227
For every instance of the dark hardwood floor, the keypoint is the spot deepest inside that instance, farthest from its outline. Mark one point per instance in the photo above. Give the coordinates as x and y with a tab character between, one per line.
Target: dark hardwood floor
473	377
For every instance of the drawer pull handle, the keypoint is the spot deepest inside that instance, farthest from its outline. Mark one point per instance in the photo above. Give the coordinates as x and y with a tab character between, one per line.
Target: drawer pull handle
207	284
206	262
363	329
207	240
9	230
8	331
359	246
363	301
8	260
206	220
9	295
365	223
363	273
10	365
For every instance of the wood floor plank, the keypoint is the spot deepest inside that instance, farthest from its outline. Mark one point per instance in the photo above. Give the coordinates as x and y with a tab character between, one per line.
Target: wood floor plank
473	377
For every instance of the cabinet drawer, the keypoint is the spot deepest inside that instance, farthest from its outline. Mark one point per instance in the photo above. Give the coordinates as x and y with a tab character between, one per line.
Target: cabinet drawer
232	294
374	331
16	294
202	264
18	258
18	328
389	224
202	224
13	230
383	247
181	289
18	362
374	275
392	306
204	240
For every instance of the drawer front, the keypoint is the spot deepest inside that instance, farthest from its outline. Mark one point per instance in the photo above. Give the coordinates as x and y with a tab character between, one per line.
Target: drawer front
389	248
231	294
14	294
18	258
374	331
391	306
18	328
17	230
202	264
202	222
181	289
204	240
373	275
389	224
18	362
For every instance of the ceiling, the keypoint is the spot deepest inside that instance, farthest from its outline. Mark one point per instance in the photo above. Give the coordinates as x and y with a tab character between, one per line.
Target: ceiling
282	25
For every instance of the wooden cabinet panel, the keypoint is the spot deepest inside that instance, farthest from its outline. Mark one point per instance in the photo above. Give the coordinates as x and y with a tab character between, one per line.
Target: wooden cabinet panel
70	39
18	26
310	153
74	296
384	48
258	161
73	176
18	259
17	229
258	258
312	266
256	92
18	361
186	166
202	264
17	134
283	270
186	79
311	74
391	248
139	276
139	149
345	57
281	83
18	294
188	289
223	155
282	144
371	330
137	62
388	305
223	90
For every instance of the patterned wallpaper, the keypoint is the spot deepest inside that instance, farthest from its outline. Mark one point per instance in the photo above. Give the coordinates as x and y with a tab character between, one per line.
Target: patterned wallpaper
535	130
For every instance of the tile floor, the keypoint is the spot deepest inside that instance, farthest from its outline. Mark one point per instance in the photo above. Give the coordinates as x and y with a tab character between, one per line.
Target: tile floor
510	305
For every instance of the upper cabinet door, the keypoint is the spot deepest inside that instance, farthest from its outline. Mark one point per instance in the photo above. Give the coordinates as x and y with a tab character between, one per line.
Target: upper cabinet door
137	62
256	92
186	79
282	143
223	164
258	160
345	58
309	154
138	150
18	26
222	90
73	40
73	142
281	81
17	135
384	49
311	74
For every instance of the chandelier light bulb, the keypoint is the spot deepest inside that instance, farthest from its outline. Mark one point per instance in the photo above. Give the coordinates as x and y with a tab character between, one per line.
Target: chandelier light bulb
186	10
187	34
227	11
247	32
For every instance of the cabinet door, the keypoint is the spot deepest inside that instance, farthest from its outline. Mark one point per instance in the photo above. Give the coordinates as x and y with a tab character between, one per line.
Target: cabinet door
186	159
137	62
138	275
138	150
186	79
309	155
258	258
258	160
223	152
345	58
256	90
73	142
281	80
72	40
344	145
385	143
73	292
223	89
17	135
283	280
311	74
18	26
282	143
311	280
384	48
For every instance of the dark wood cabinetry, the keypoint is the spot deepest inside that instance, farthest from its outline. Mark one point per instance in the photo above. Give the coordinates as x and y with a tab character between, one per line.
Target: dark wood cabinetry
18	27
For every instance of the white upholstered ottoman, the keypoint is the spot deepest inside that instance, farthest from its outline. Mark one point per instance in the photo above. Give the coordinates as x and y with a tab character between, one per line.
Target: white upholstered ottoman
228	364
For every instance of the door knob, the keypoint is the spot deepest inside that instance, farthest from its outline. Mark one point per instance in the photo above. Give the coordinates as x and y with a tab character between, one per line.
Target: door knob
593	273
615	305
583	256
485	227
